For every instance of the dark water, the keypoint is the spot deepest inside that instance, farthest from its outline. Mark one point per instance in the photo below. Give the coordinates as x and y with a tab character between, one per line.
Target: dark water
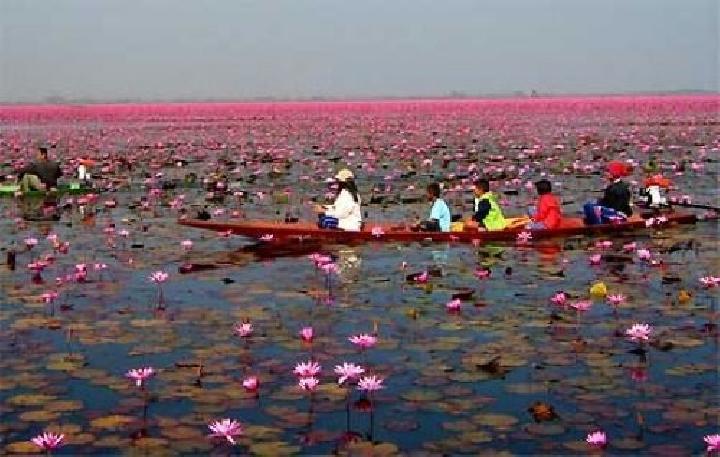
456	383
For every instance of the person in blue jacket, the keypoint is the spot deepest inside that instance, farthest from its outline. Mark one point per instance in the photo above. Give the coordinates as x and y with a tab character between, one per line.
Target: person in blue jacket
439	220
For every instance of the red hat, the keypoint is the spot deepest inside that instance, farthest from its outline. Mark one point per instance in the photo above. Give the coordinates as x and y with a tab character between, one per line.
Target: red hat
657	180
617	169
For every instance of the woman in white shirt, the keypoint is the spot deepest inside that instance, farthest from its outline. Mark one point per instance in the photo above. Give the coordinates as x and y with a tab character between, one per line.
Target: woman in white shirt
344	213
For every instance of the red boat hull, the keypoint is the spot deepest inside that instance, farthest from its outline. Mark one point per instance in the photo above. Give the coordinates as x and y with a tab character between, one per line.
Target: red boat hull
390	232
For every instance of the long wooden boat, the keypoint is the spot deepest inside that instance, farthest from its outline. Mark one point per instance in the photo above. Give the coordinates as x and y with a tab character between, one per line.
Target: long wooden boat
273	231
8	191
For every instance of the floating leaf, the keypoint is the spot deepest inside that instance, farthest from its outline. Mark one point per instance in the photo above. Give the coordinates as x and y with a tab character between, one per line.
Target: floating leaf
22	447
112	422
30	399
273	449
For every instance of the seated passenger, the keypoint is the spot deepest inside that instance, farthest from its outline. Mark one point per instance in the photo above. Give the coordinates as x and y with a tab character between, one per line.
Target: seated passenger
41	175
345	212
614	206
548	213
653	191
488	214
440	218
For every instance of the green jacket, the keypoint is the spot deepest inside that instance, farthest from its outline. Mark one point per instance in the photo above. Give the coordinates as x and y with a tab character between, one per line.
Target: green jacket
492	218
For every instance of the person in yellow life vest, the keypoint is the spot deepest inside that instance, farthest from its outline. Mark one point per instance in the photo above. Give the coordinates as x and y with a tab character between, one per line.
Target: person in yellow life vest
487	212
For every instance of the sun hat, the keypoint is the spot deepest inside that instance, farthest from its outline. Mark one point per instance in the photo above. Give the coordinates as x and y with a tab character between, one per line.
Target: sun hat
617	169
344	175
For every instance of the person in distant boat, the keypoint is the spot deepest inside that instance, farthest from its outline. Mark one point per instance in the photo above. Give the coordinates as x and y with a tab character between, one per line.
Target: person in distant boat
654	186
614	206
487	212
548	212
344	213
83	170
440	218
42	174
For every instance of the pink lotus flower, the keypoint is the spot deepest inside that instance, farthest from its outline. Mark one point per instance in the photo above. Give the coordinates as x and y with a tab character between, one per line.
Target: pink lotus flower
598	439
370	383
140	375
320	259
309	383
186	244
524	237
52	237
348	371
363	340
581	306
251	383
159	277
710	281
31	242
124	233
638	374
595	259
453	305
616	299
482	273
100	266
713	442
644	254
559	299
377	231
630	247
226	428
307	334
422	278
48	441
307	369
243	329
329	268
49	297
604	244
639	332
37	266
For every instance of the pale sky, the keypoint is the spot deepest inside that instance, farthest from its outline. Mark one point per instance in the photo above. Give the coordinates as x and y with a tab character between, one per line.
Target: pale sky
236	49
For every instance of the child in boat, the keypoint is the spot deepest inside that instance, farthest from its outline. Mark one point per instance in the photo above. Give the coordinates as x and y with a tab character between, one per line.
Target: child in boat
344	213
548	213
488	215
614	206
440	218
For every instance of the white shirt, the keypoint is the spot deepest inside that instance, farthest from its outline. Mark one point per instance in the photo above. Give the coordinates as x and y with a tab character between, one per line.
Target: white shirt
347	211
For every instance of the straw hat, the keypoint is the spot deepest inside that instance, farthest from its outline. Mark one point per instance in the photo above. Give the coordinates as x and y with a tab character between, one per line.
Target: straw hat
344	175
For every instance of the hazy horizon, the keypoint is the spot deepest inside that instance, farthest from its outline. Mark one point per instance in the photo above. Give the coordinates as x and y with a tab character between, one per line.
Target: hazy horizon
220	50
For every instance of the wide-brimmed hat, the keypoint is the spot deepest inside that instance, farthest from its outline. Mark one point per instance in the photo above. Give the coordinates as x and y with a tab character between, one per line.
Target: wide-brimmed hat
344	175
617	169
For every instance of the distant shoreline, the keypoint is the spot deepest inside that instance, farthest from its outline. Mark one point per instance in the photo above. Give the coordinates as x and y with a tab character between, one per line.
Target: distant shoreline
82	102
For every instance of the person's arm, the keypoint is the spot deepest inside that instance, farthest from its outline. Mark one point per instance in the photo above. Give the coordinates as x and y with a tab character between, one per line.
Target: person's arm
482	211
627	195
606	196
27	170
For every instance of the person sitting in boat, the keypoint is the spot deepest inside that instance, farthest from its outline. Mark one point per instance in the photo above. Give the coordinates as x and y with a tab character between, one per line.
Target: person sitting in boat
487	212
344	213
653	191
440	218
548	212
83	170
42	174
614	206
